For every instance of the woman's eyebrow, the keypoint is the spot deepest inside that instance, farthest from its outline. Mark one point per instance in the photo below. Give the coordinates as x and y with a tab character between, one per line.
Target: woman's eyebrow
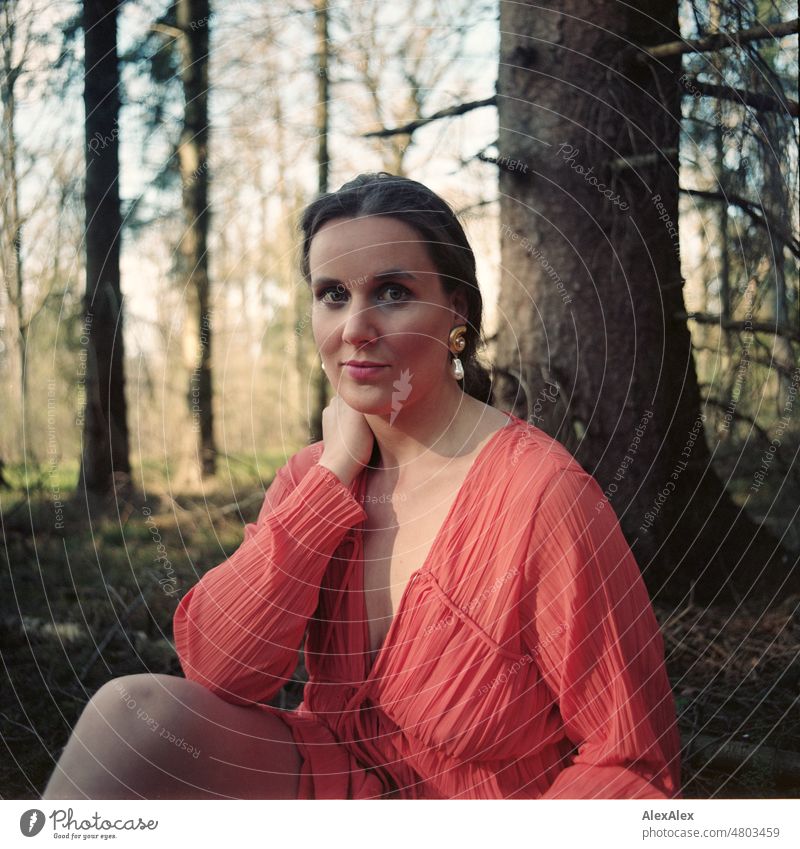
393	273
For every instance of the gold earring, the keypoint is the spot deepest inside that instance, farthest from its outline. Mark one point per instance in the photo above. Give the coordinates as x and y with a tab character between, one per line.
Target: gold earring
457	344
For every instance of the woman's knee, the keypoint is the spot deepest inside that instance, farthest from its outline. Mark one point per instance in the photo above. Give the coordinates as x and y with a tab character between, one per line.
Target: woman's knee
146	705
145	694
124	717
148	711
132	711
187	741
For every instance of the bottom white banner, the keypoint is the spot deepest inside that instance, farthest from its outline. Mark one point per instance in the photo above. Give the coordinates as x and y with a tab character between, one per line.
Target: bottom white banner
534	823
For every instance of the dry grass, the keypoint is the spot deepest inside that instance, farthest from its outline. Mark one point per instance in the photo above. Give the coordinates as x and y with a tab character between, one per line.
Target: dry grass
736	677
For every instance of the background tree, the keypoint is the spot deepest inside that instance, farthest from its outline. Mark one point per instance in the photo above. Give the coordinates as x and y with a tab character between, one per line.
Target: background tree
321	29
11	248
194	22
24	298
396	63
589	209
105	464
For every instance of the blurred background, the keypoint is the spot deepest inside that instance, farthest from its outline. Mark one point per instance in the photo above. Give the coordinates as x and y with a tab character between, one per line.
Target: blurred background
628	179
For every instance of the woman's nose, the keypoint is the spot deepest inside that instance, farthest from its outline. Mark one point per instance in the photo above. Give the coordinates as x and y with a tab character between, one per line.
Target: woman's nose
360	324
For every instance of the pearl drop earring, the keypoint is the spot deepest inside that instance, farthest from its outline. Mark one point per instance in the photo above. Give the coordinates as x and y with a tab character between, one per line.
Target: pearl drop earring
457	344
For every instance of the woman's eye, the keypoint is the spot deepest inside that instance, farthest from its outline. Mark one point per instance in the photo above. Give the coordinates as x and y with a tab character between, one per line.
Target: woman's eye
331	290
400	290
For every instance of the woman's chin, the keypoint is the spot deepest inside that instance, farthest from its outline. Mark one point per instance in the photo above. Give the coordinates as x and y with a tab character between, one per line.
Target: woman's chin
367	400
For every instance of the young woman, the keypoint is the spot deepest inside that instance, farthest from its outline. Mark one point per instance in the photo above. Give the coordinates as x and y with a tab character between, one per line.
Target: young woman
476	628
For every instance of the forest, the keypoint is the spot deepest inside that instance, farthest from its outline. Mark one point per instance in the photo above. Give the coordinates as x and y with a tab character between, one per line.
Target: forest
628	179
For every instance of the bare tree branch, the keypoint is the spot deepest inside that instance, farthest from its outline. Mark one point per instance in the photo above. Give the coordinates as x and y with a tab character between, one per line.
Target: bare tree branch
165	29
732	324
736	414
762	102
450	112
420	55
722	40
786	371
466	210
755	212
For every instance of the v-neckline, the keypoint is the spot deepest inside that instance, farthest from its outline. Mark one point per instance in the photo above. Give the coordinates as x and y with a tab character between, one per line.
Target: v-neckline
371	664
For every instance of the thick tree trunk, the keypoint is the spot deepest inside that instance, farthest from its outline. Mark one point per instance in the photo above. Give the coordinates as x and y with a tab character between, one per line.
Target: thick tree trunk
194	20
591	281
105	464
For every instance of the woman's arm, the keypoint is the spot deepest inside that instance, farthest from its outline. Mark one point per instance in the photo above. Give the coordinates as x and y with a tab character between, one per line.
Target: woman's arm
592	631
239	629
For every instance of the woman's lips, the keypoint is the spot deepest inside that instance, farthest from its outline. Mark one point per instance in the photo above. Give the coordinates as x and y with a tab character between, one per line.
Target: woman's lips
359	372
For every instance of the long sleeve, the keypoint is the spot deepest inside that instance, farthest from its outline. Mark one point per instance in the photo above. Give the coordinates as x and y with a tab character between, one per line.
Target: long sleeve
589	624
239	629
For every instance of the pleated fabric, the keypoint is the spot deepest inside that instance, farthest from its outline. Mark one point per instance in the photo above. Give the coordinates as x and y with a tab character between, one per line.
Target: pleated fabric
523	661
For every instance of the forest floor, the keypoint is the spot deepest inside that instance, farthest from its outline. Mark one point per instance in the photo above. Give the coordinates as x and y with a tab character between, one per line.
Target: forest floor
81	606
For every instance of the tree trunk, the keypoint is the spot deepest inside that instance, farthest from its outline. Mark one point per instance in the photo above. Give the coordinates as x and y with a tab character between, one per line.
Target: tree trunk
11	247
105	464
194	20
298	308
320	381
591	276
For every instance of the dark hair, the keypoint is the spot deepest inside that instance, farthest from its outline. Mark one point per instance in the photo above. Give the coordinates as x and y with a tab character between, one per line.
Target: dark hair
399	197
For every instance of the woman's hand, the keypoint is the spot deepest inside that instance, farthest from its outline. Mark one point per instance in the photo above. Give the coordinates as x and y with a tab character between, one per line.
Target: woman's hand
348	439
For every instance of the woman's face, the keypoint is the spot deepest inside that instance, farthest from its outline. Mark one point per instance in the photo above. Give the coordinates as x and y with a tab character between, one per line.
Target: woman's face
378	297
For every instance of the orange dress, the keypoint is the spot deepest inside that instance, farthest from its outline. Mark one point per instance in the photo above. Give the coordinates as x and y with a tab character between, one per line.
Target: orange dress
523	661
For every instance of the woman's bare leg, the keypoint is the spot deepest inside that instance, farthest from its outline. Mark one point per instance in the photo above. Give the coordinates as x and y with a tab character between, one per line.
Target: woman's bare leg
153	736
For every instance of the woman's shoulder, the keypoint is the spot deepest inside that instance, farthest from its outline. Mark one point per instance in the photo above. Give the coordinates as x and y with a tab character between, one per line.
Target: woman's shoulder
534	457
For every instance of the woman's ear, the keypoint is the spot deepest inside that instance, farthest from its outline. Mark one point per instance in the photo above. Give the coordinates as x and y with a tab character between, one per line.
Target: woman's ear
458	301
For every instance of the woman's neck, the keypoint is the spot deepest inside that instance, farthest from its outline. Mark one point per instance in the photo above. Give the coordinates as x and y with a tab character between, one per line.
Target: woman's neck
441	429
